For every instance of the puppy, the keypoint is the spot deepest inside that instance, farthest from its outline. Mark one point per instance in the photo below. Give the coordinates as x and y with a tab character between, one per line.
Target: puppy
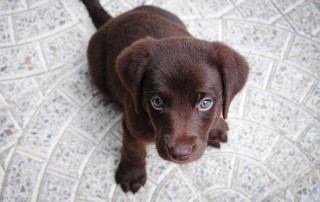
172	87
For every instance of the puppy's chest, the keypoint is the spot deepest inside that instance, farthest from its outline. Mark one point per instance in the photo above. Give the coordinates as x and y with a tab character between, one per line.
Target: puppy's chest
148	132
143	129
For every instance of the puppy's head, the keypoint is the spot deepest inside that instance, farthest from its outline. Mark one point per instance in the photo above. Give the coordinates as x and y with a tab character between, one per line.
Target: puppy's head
184	85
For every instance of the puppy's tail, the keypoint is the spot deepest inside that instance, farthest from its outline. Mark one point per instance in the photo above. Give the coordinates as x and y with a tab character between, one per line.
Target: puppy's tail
97	13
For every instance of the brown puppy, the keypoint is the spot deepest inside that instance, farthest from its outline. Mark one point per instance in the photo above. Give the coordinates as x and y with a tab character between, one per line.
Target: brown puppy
171	86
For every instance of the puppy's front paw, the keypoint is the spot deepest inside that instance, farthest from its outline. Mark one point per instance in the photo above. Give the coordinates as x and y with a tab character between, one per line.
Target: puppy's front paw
218	134
130	177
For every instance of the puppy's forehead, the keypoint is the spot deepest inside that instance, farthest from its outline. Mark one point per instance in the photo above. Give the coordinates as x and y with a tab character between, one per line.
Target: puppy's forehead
184	76
182	66
168	52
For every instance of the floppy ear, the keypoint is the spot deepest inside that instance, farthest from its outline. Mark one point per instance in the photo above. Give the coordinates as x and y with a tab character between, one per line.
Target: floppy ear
234	71
131	64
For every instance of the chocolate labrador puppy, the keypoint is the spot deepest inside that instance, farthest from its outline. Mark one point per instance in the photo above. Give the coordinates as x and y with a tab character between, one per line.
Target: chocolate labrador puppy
172	87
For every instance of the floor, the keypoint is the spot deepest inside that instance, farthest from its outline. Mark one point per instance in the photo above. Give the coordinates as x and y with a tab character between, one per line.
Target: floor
60	140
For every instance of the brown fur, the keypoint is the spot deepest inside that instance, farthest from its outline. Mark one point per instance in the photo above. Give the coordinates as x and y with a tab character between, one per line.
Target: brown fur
148	52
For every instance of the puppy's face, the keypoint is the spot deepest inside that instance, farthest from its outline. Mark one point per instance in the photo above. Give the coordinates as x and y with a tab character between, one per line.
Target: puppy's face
183	98
183	84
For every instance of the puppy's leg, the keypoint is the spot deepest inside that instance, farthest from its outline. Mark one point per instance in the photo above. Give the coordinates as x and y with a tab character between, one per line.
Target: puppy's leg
219	133
131	173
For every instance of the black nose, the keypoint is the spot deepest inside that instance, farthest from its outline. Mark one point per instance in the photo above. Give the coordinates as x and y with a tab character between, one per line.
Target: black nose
181	152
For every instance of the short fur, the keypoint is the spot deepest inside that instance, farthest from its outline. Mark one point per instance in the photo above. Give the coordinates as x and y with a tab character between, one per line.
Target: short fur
148	52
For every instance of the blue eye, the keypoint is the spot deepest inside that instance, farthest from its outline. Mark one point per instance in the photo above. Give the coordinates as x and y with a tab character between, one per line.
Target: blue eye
205	104
156	103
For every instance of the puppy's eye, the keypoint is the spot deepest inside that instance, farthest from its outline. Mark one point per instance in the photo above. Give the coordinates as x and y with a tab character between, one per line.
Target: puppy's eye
205	104
156	103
